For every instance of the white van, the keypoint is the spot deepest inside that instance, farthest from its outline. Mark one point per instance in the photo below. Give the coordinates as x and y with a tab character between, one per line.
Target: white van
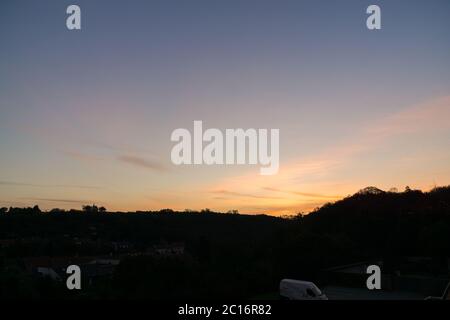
300	290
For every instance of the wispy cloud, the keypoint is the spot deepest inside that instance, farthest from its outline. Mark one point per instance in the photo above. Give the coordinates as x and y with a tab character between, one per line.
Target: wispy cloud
244	195
82	156
59	200
24	184
134	160
432	115
142	162
304	194
427	117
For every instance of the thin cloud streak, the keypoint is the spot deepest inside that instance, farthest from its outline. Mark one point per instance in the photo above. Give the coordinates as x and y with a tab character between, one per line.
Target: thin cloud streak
244	195
142	163
59	200
34	185
304	194
82	156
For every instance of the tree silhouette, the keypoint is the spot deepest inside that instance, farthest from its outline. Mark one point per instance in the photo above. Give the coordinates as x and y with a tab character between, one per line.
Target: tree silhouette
90	209
370	190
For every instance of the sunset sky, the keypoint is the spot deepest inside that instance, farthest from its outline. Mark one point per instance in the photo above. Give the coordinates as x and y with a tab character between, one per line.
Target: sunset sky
86	116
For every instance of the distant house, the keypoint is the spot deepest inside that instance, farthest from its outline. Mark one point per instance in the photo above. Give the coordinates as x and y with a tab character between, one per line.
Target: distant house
53	267
92	268
122	246
106	261
5	243
173	249
48	272
99	268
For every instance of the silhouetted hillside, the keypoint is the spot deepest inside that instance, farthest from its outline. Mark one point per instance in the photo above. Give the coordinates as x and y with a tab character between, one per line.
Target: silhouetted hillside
389	223
373	201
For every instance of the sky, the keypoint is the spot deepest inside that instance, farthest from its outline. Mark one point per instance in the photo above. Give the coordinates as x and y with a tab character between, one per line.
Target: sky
86	115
